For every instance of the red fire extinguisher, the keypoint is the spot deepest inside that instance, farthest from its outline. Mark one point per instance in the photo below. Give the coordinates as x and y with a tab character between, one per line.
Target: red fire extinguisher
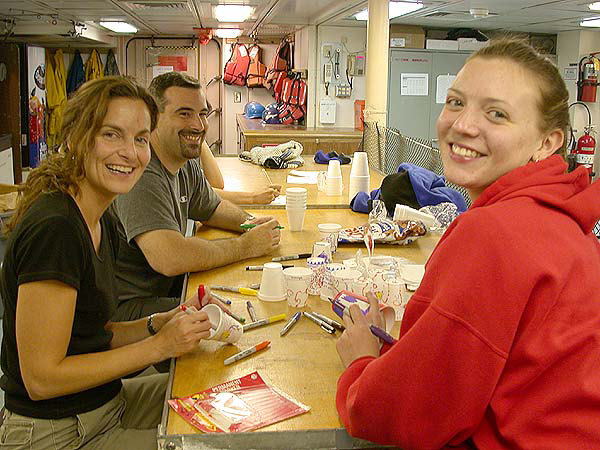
587	81
584	152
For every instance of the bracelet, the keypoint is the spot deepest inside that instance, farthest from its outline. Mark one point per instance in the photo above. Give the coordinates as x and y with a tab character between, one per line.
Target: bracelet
149	324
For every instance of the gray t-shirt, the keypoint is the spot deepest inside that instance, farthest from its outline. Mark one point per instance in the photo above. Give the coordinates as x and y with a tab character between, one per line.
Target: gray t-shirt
158	201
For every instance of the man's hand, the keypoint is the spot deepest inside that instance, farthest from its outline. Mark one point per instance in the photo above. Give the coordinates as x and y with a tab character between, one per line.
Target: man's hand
263	238
267	195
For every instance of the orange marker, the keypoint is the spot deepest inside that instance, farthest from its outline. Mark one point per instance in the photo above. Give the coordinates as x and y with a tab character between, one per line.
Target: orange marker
247	352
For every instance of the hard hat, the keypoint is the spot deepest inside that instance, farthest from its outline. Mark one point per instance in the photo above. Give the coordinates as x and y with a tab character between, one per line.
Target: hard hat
272	108
253	110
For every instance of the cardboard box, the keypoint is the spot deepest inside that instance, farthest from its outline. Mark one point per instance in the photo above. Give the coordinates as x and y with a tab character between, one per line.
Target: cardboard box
441	44
470	44
407	36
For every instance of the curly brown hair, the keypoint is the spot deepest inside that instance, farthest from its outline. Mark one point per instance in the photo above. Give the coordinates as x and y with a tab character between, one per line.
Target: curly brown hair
84	113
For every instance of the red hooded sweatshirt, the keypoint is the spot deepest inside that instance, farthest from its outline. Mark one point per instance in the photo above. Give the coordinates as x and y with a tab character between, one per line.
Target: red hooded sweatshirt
500	345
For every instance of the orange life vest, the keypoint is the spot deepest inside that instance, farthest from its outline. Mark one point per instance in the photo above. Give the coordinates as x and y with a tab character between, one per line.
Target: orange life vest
236	69
257	70
282	62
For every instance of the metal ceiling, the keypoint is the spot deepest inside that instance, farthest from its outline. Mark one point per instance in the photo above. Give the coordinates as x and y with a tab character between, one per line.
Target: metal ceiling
55	20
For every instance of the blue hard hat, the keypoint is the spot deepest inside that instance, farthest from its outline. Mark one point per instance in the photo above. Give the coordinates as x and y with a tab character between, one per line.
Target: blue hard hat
272	118
272	108
253	110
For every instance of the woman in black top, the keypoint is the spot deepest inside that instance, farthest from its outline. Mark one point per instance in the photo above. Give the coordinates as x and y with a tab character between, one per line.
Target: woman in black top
62	357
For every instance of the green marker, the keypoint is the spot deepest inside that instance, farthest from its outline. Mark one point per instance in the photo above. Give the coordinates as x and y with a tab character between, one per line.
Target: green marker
249	226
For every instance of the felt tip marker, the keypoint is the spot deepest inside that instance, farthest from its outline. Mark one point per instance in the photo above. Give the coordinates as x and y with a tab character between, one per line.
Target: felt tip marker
247	352
285	266
329	321
385	337
191	310
290	257
249	226
261	322
220	297
251	311
241	290
324	326
290	323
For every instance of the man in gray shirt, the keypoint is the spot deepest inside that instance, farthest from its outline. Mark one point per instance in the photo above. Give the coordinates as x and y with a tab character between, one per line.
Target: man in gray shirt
153	251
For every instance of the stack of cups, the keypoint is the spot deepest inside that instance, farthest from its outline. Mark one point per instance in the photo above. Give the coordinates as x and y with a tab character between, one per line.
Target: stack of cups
272	283
333	183
295	206
359	175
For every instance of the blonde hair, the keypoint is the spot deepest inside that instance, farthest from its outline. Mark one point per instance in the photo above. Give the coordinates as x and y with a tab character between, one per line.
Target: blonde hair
84	114
553	105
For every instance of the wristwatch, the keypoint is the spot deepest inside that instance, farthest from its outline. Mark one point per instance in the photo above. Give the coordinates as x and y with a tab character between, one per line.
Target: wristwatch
149	324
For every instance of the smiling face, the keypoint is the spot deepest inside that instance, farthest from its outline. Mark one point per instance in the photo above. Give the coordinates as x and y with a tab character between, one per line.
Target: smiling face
490	123
182	125
121	149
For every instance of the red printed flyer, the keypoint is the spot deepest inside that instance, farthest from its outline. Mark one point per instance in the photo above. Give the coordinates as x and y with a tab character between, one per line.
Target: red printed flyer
243	404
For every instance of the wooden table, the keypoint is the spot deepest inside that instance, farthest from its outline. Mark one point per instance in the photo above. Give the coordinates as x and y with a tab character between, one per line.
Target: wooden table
245	176
252	132
304	363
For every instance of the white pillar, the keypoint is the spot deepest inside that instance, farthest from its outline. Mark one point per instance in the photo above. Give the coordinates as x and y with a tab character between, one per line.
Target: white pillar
378	40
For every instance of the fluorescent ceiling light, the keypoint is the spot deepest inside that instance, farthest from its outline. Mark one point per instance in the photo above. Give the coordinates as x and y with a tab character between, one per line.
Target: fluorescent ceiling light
396	9
595	22
594	6
225	33
119	27
232	13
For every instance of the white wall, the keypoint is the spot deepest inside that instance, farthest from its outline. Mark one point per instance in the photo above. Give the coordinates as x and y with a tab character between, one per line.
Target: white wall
356	40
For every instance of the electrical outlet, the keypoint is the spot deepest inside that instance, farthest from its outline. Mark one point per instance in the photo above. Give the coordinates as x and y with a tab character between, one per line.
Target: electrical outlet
327	50
237	97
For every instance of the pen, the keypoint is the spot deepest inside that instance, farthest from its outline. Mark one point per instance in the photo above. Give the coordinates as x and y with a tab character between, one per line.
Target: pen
288	258
251	311
385	337
267	176
285	266
220	297
246	352
329	321
249	226
325	326
290	323
262	322
234	315
241	290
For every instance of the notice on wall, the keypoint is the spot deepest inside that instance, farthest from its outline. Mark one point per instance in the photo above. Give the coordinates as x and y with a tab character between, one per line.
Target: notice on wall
441	90
159	70
414	84
178	62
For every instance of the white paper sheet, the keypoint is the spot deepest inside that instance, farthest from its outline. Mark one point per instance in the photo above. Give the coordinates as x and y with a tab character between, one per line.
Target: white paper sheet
278	200
301	180
442	85
414	84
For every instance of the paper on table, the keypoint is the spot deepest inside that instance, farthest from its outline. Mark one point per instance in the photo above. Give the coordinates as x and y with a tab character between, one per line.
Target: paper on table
304	173
278	200
301	180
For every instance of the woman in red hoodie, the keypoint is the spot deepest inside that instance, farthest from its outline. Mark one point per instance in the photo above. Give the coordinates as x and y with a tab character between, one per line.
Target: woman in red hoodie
500	345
